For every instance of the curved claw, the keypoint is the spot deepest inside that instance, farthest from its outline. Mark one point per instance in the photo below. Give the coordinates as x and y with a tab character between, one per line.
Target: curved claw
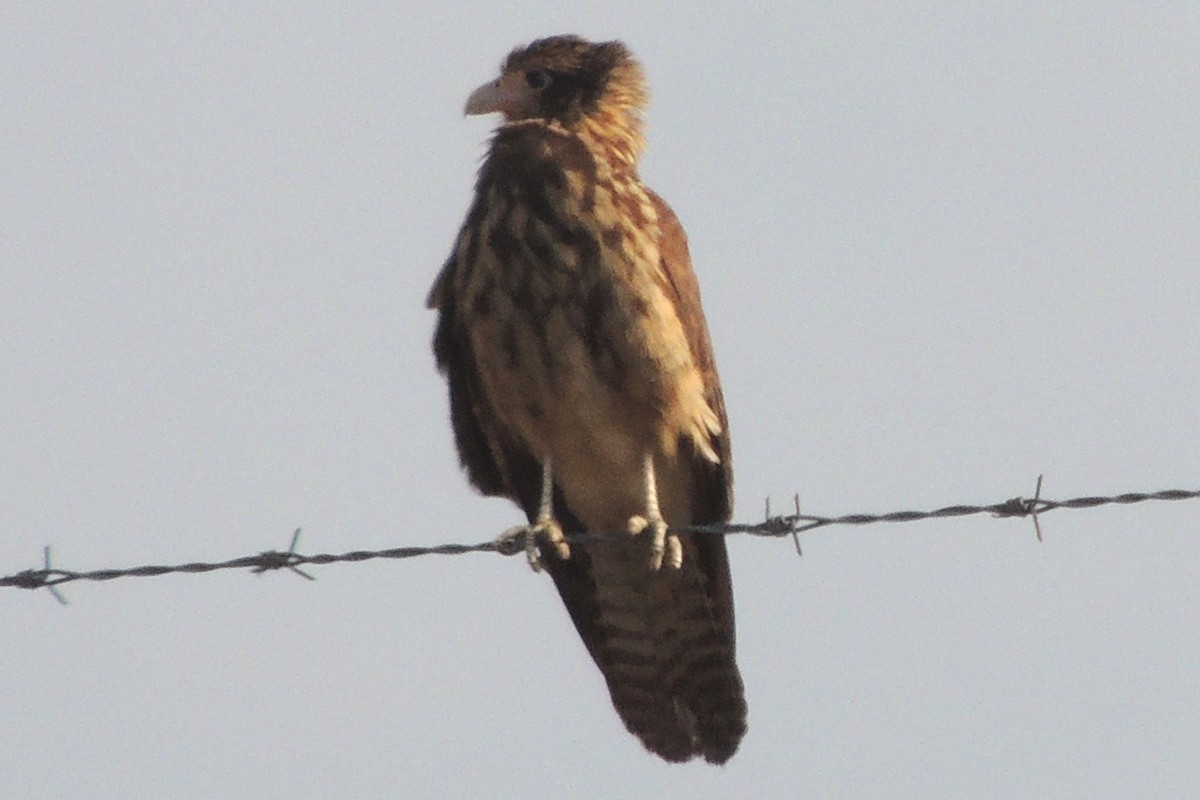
664	546
548	529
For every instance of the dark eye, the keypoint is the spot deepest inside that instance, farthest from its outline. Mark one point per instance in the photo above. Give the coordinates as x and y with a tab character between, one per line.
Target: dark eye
537	78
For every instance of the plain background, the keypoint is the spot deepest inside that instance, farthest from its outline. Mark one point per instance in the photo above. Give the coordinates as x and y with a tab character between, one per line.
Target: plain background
942	251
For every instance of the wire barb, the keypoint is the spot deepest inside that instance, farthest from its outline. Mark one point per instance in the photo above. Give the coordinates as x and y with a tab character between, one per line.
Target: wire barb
796	536
62	600
43	578
1020	507
273	559
793	525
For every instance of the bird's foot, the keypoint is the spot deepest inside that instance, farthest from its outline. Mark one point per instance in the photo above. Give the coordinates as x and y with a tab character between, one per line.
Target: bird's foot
665	546
547	529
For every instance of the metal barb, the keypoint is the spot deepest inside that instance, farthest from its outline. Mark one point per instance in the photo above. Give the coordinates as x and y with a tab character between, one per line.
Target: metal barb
795	532
772	525
270	560
1033	508
53	589
295	557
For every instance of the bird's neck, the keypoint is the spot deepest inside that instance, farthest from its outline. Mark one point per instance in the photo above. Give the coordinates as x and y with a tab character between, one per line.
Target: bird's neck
616	136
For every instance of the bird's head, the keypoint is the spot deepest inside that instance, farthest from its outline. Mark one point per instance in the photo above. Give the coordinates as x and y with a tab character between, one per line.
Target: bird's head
565	79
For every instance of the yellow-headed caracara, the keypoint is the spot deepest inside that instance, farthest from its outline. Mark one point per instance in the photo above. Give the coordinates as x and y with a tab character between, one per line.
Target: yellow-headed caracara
583	387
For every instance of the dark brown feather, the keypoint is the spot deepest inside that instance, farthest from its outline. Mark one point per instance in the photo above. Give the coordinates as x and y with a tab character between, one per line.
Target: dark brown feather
544	294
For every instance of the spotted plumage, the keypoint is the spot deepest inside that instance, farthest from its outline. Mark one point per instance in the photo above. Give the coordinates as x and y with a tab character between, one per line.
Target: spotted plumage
583	387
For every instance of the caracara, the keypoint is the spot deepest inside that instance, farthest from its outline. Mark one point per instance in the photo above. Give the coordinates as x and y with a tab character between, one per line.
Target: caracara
582	386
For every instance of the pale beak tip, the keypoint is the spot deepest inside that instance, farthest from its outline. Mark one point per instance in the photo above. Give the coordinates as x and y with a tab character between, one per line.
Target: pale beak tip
483	100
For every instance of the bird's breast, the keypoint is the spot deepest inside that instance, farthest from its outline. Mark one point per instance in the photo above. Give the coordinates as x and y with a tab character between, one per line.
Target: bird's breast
578	346
554	307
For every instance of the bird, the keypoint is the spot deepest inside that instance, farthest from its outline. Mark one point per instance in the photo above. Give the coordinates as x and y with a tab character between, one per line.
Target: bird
582	386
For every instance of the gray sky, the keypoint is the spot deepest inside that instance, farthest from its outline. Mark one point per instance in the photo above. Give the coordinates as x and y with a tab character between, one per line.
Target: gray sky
941	252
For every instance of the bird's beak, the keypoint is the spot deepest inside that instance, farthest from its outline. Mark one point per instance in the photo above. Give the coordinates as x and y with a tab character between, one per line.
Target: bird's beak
484	100
503	95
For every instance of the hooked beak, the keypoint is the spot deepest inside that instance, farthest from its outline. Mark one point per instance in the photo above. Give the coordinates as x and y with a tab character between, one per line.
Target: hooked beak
506	95
484	100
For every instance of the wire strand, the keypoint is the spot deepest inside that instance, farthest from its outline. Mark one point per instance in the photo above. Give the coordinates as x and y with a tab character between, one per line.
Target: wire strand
50	577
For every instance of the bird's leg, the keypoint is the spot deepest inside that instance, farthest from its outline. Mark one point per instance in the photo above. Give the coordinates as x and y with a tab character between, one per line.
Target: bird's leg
664	543
543	525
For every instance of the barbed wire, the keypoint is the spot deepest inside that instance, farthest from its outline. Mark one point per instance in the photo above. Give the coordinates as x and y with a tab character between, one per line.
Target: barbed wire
49	577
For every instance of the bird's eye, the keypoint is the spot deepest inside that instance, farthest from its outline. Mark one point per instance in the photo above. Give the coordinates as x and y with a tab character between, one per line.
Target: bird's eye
537	78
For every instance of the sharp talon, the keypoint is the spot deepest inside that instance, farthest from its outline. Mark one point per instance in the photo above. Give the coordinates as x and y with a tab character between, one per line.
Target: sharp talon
674	551
531	550
547	528
558	541
507	543
544	530
664	546
659	545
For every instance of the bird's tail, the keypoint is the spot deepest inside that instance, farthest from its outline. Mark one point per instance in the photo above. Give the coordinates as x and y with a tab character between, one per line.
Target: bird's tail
663	640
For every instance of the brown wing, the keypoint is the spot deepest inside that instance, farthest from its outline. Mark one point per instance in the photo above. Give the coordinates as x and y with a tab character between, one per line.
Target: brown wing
673	678
715	498
495	463
713	494
496	460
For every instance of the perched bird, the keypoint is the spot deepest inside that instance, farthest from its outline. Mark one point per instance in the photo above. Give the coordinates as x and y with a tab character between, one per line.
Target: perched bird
582	386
